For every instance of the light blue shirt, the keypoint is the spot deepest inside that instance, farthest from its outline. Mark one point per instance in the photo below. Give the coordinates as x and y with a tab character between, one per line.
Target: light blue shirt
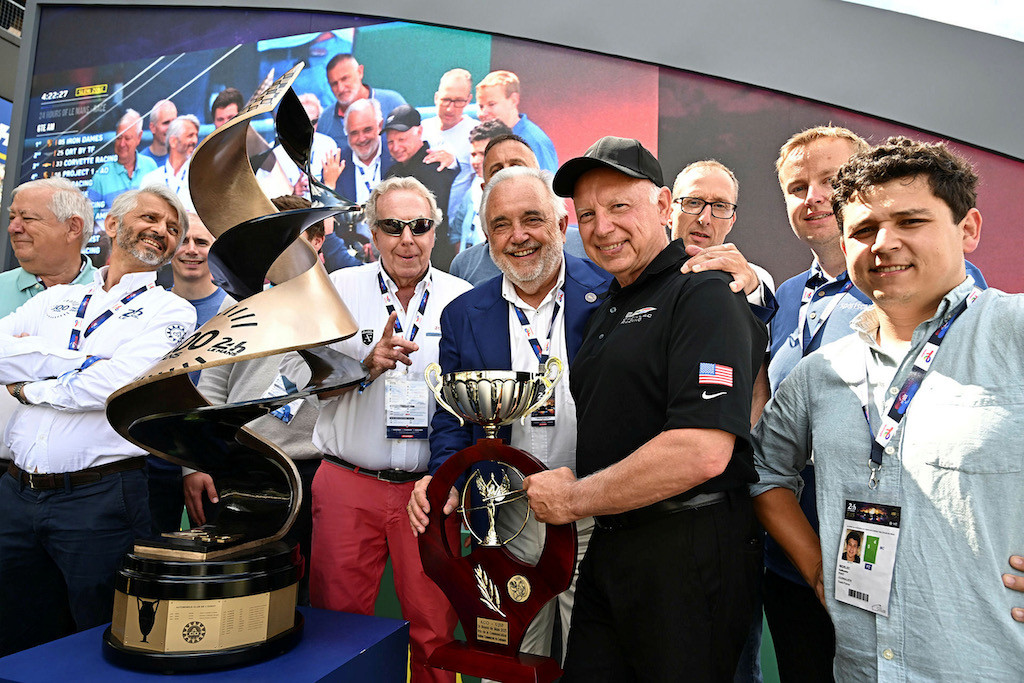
957	472
18	286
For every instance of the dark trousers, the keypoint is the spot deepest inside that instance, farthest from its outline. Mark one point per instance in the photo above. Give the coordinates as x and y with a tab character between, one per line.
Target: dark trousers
302	531
668	600
166	495
805	640
59	553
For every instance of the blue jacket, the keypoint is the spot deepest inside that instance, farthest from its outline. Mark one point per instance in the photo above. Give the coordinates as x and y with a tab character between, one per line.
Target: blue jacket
346	185
475	336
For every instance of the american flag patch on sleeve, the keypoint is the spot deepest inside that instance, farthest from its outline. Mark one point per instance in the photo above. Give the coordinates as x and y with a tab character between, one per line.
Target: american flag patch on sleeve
714	373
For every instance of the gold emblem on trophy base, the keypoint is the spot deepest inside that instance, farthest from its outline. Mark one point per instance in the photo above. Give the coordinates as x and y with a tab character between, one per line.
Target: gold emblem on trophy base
518	588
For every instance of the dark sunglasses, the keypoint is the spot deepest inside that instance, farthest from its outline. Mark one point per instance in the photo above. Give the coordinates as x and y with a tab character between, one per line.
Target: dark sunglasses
395	227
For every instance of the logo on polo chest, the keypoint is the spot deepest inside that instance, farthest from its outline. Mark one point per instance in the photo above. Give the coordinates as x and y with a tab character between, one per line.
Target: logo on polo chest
639	314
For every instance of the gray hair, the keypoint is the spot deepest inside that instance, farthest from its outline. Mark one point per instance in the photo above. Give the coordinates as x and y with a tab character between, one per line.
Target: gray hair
127	201
177	126
128	115
399	183
363	105
309	98
67	201
512	172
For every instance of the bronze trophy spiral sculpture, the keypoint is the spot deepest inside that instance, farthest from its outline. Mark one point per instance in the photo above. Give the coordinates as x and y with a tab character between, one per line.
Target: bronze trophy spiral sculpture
224	593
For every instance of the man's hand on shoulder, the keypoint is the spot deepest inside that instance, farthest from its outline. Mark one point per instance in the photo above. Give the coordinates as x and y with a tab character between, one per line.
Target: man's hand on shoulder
1016	582
551	494
724	257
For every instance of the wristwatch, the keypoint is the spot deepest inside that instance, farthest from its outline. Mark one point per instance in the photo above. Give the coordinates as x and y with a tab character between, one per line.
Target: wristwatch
16	389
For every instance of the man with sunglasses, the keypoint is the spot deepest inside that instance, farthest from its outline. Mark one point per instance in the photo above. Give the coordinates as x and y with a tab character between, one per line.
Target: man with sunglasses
374	436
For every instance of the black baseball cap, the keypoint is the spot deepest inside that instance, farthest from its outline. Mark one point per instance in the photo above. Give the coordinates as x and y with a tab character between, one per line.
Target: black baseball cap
402	117
624	155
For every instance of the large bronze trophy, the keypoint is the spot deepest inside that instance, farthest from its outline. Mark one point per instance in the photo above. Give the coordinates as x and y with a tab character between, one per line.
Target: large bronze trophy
224	593
495	593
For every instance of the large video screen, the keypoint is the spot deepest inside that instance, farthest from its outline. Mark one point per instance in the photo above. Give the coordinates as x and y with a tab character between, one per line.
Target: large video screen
573	97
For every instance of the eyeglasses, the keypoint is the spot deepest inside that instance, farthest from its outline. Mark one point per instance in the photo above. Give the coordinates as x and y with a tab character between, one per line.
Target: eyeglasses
395	227
449	102
695	206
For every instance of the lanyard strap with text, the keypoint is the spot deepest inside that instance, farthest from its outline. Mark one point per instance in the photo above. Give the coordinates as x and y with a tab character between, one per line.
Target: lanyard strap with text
389	304
805	300
898	405
76	329
542	353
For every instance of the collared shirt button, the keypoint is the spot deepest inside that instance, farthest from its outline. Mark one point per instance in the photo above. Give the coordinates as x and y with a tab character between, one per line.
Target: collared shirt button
888	653
600	336
889	450
812	315
821	293
894	390
612	309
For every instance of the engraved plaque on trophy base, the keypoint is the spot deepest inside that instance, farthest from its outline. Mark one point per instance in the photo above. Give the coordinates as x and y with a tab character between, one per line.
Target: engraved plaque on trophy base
177	616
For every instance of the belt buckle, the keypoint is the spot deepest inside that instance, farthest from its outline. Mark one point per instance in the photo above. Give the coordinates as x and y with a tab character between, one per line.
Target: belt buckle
40	477
387	476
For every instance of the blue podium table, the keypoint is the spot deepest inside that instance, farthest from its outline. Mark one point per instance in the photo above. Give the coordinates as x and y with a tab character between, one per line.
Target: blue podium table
335	646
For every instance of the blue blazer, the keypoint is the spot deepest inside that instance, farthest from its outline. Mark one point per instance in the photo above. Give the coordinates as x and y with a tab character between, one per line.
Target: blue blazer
475	336
346	185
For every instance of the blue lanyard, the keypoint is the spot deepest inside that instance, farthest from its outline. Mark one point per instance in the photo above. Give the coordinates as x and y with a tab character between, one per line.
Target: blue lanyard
797	338
901	401
388	304
539	351
76	330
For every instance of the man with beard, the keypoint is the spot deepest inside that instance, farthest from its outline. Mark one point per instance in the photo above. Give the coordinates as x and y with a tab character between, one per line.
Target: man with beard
182	138
536	309
345	76
74	499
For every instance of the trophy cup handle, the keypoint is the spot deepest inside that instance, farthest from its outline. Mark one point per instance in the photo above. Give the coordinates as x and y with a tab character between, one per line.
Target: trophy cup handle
434	371
552	373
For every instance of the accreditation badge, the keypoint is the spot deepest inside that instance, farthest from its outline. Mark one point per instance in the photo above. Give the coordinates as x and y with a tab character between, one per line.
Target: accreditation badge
545	415
867	555
406	404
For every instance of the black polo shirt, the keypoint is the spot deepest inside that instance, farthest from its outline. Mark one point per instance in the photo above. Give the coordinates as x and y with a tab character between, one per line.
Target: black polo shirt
669	351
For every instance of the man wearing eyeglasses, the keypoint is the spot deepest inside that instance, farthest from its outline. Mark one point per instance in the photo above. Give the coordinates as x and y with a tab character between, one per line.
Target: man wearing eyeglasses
704	198
374	437
448	132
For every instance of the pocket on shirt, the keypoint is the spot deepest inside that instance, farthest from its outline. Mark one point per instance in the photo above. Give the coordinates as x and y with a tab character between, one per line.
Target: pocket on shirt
968	428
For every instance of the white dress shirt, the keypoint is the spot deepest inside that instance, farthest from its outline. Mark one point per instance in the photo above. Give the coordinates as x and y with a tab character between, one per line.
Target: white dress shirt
68	430
352	426
553	446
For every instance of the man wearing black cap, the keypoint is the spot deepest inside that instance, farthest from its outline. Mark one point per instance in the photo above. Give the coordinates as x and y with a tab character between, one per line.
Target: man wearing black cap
667	588
436	170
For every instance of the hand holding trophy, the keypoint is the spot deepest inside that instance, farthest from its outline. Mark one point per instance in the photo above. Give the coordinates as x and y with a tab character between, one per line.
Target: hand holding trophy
495	593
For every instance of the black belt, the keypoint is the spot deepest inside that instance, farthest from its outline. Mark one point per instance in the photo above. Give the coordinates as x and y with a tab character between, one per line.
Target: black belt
390	476
662	508
57	480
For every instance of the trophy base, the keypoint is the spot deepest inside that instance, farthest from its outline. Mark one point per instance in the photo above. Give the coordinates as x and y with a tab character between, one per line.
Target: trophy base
519	668
120	655
182	615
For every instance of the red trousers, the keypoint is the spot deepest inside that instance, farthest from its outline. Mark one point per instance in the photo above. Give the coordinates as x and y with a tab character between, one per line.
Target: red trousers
358	522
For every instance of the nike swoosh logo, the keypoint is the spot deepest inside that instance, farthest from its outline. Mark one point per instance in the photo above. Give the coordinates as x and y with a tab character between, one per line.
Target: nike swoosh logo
706	396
